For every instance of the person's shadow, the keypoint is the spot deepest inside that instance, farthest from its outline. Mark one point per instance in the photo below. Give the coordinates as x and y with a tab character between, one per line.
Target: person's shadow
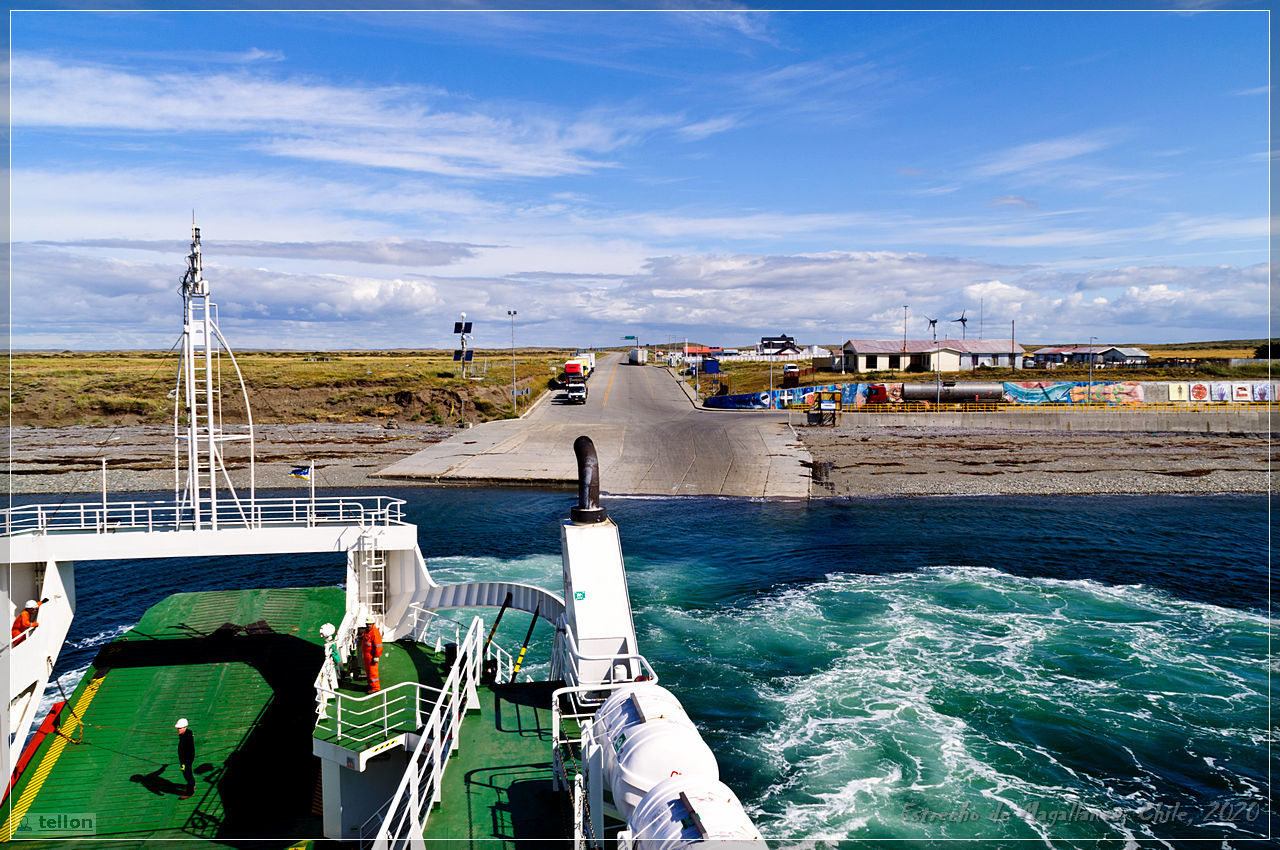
157	784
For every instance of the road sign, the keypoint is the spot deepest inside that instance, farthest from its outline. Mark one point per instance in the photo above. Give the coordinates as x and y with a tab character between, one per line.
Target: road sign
629	337
524	391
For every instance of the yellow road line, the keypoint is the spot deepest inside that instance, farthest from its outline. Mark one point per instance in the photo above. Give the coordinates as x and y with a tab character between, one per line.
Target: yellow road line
20	809
609	386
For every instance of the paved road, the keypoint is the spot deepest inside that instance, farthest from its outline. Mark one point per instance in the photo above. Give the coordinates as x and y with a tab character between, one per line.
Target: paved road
651	439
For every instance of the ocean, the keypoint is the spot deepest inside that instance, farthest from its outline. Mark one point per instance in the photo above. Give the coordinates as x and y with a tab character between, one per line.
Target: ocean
1063	669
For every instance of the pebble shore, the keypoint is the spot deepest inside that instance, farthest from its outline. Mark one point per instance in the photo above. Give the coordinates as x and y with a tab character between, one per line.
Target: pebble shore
846	462
936	462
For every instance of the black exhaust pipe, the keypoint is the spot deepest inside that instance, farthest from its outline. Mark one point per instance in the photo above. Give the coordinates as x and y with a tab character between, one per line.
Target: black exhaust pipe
588	509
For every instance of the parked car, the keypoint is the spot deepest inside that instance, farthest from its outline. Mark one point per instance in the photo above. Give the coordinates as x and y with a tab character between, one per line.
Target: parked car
790	368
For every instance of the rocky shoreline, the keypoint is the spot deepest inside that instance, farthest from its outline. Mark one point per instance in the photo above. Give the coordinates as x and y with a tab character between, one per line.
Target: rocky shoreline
938	462
845	462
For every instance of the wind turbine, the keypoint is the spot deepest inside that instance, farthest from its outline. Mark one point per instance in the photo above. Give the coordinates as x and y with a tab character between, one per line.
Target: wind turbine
964	324
933	326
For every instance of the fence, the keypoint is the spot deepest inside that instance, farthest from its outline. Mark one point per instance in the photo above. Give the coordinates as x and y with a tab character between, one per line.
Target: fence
399	822
103	517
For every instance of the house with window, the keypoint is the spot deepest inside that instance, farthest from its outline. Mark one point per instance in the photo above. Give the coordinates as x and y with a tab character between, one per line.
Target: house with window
923	355
1080	355
777	345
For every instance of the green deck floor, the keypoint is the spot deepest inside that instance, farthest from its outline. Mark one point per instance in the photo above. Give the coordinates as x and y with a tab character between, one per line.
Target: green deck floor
239	666
498	785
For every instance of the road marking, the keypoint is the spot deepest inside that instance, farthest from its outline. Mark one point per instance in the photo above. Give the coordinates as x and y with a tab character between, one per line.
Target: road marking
19	811
609	386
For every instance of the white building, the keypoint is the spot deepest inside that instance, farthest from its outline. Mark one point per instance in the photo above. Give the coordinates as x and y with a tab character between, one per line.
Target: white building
1102	355
923	355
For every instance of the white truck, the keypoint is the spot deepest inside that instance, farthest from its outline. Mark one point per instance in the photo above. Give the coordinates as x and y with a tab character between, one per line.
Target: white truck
639	356
576	393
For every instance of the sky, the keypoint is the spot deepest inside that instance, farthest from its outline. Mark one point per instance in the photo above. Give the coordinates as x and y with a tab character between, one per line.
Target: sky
360	179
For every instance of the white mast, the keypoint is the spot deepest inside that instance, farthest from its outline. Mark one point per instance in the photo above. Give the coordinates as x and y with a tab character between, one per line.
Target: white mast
198	402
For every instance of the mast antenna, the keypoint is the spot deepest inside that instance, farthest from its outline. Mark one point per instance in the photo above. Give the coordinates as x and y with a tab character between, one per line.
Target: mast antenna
197	410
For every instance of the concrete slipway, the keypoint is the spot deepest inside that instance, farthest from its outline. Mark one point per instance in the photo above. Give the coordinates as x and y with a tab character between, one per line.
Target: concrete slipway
651	437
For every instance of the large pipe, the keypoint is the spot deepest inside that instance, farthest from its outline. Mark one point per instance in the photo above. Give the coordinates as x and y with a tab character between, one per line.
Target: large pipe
588	509
953	391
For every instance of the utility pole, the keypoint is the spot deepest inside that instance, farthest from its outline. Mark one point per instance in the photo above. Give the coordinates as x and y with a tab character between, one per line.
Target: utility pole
515	408
1091	339
904	328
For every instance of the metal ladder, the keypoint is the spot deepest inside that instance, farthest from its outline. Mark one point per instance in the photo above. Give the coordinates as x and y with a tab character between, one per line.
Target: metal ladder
373	565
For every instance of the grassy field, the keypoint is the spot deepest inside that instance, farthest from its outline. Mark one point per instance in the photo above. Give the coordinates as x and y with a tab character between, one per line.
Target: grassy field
107	388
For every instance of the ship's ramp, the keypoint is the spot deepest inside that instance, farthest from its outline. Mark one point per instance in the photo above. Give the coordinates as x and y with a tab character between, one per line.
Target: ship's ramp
239	665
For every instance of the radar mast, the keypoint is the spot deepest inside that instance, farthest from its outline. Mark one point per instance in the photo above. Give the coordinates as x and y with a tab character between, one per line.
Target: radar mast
197	410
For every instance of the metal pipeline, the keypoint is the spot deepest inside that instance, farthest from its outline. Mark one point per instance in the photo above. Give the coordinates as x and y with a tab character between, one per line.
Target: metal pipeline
588	509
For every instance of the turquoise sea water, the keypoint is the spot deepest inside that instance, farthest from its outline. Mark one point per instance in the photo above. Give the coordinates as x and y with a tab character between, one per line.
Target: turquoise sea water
1066	669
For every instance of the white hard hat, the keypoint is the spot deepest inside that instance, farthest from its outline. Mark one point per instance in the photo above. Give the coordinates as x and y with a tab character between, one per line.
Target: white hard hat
327	630
31	603
181	724
370	620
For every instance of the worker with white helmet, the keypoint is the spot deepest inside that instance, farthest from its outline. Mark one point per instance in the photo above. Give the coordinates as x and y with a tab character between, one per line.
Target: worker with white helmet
371	650
186	756
26	621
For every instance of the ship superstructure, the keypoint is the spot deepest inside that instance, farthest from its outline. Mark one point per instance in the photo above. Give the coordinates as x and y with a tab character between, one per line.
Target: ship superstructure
297	746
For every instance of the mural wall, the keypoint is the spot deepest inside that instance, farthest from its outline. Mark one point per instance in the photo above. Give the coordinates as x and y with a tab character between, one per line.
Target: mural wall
1028	392
1074	392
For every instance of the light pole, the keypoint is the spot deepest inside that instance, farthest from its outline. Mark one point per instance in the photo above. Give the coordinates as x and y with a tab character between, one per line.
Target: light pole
514	408
1091	339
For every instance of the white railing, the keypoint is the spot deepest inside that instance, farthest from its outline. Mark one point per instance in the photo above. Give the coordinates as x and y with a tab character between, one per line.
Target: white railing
431	629
583	703
168	516
565	661
373	718
399	822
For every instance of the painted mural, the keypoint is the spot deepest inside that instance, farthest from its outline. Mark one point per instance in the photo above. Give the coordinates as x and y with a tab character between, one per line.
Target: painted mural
1074	392
855	394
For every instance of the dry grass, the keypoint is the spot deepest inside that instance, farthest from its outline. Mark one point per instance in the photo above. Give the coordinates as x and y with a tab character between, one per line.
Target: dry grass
133	387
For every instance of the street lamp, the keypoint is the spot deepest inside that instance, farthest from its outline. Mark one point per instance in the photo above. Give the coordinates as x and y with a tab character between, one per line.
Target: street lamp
514	408
1091	339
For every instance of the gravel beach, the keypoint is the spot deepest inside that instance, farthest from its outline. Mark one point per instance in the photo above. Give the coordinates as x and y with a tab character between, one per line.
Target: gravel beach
846	462
140	457
934	462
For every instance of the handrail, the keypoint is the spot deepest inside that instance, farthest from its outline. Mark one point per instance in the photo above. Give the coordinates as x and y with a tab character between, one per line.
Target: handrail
566	649
170	516
389	708
399	822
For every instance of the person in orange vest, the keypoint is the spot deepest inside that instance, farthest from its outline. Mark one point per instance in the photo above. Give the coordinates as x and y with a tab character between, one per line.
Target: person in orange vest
371	649
26	620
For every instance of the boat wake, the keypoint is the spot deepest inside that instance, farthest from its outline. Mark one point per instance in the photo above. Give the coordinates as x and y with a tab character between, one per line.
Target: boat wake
964	702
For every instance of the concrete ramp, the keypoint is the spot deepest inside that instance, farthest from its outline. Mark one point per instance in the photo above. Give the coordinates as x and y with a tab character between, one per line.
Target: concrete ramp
650	436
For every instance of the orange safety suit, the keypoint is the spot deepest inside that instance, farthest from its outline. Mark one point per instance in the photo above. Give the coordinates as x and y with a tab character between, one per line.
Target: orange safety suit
24	621
371	649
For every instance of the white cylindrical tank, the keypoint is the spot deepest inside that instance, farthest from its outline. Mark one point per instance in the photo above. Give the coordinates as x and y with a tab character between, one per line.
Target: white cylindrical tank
632	704
622	717
654	751
683	810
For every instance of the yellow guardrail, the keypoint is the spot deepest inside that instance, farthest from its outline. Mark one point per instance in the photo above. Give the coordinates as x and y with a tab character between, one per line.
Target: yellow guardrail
1082	407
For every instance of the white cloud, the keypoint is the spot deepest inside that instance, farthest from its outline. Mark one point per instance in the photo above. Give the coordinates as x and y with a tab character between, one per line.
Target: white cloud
399	127
67	298
1029	157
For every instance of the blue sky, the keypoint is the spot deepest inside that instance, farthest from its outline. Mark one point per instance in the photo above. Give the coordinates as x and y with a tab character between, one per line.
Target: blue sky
360	178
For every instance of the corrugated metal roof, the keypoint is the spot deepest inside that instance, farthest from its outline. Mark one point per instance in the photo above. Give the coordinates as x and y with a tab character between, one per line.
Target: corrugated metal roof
924	346
986	346
1132	352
